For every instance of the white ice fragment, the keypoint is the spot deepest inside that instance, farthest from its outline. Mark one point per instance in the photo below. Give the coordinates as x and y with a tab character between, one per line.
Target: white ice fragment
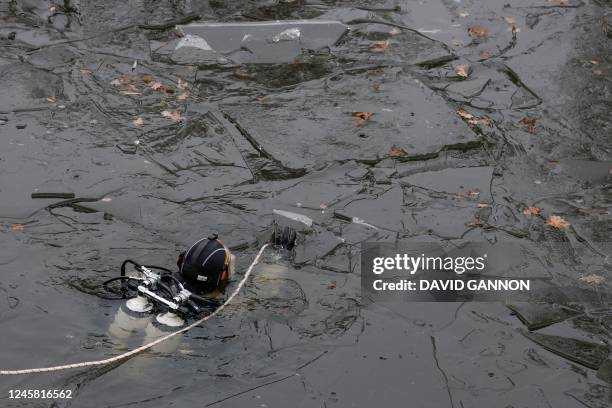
294	216
106	200
435	31
290	34
362	222
193	41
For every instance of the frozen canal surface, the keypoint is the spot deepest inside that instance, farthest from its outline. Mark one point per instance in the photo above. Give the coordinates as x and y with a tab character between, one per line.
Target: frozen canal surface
479	110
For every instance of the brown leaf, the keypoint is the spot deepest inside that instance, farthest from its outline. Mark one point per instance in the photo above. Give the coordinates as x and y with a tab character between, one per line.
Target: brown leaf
183	96
331	286
473	120
380	46
481	121
531	211
483	205
155	85
138	122
396	151
529	122
554	221
358	122
85	72
362	115
129	90
464	114
120	81
147	79
463	70
51	98
477	31
17	227
174	116
182	85
592	279
486	54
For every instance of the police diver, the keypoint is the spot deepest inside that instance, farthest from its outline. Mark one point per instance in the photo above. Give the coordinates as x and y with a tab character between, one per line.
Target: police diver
204	271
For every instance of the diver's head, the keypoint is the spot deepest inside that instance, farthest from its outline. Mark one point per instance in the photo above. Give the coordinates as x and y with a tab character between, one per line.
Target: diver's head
206	266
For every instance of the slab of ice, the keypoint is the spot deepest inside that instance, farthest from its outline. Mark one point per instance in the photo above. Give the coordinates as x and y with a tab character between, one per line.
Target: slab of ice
267	41
193	41
294	216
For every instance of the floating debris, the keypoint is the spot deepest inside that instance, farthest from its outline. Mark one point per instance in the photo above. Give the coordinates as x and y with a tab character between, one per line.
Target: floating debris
537	315
262	42
64	196
588	354
294	216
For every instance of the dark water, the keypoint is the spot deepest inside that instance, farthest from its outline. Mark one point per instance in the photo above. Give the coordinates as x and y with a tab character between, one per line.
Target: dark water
254	138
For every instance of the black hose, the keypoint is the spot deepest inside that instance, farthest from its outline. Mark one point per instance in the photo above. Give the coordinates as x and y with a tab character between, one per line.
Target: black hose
161	268
128	261
124	288
173	278
166	289
203	300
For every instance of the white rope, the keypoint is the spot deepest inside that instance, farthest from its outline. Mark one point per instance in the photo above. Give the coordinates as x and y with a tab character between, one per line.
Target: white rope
148	345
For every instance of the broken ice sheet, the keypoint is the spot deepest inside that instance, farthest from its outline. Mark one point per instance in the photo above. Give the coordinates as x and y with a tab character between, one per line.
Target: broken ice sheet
294	216
591	355
535	316
267	41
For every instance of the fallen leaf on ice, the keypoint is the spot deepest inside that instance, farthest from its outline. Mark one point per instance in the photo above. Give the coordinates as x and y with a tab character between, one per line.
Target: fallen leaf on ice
129	90
483	205
17	227
183	96
473	120
477	31
486	54
464	114
120	81
463	70
182	85
531	211
554	221
380	46
509	19
529	122
138	122
51	98
362	115
175	116
331	286
592	279
396	151
84	71
155	85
